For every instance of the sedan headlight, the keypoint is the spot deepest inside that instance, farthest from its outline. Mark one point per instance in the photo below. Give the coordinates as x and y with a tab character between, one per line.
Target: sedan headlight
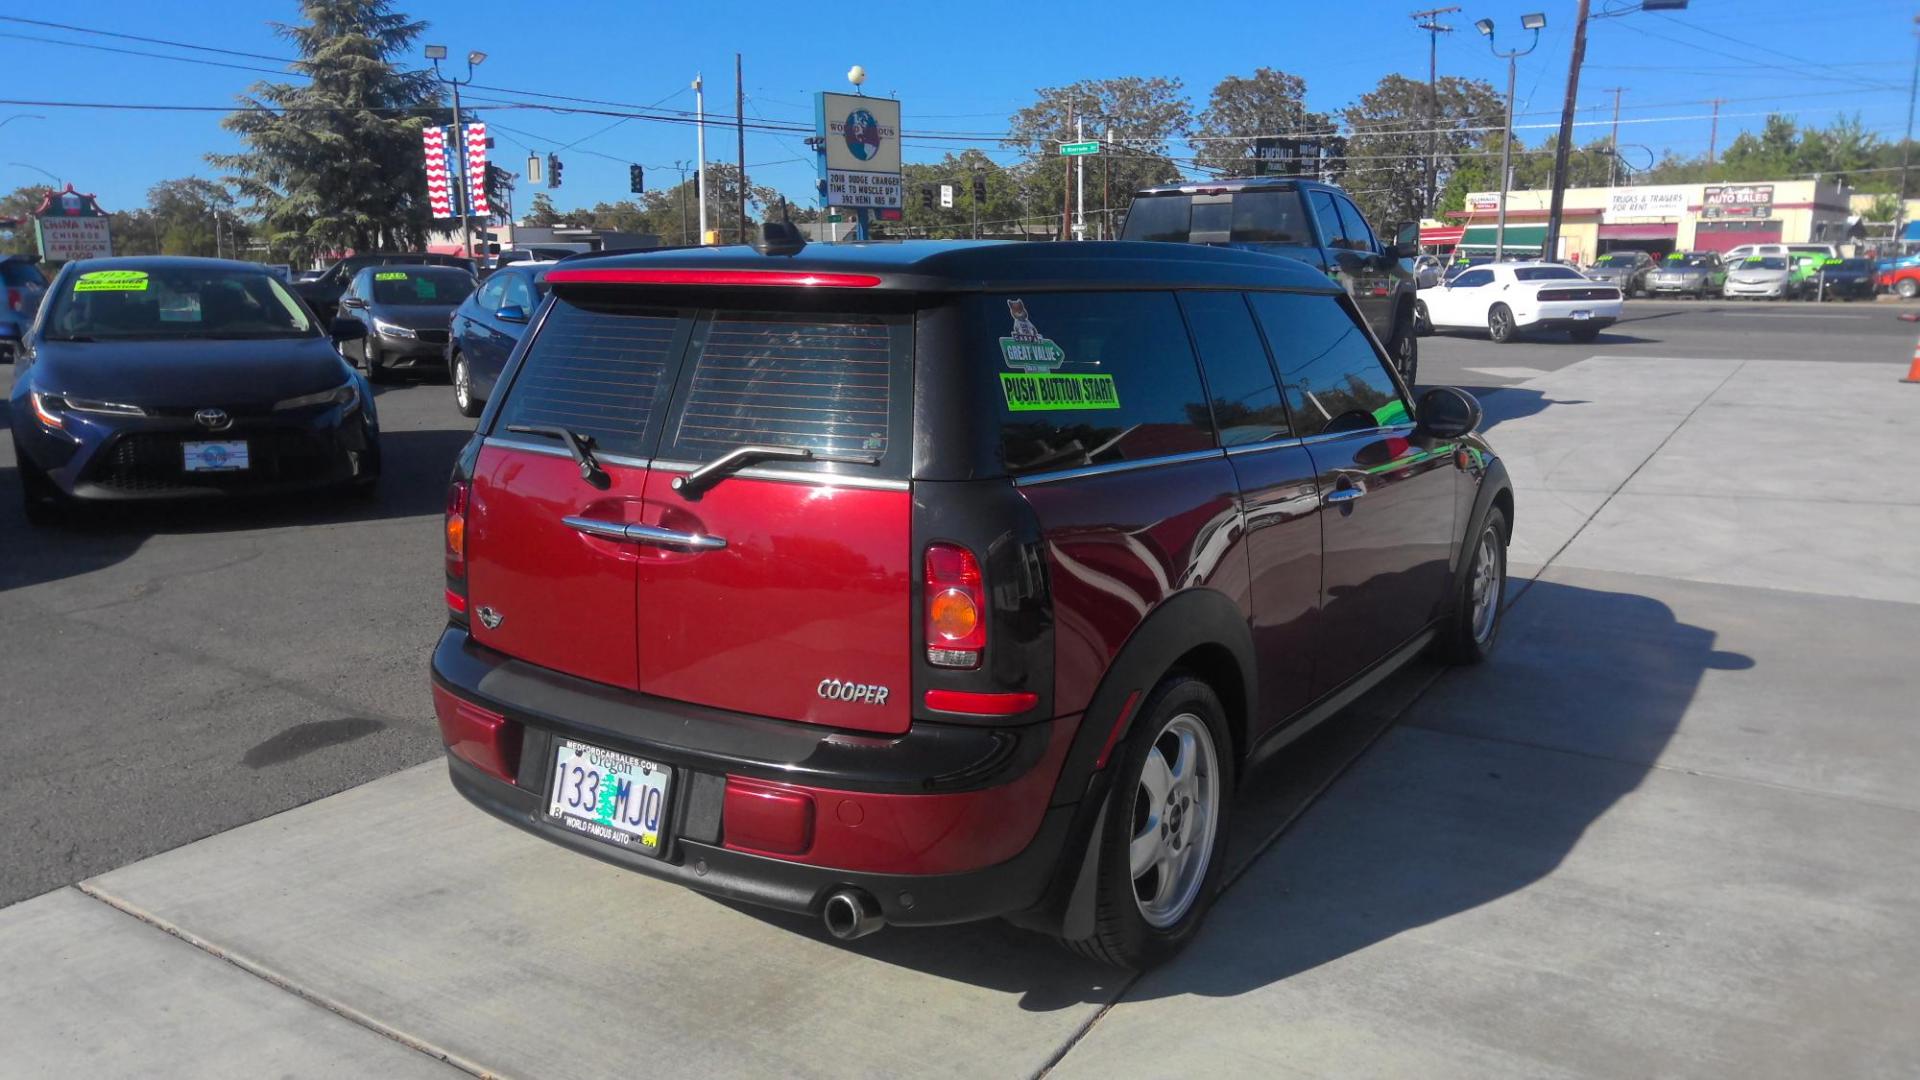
346	397
382	326
48	407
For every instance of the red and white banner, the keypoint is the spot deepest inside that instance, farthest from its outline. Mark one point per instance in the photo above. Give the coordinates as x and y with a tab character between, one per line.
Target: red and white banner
439	184
477	169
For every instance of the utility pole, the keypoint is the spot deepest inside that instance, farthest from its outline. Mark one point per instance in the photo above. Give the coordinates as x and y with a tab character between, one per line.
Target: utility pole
1906	145
1551	249
1713	133
740	130
1613	142
1428	20
1066	193
700	145
682	166
1080	185
462	182
1106	180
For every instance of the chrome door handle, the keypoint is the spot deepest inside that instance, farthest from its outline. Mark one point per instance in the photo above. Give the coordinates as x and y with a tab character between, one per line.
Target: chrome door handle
1344	495
643	534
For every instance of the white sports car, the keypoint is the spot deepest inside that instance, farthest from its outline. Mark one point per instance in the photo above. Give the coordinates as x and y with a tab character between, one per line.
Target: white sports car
1508	299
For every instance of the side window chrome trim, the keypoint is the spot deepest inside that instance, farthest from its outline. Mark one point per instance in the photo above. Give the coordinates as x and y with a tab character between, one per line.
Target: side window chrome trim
552	450
1116	467
1315	440
794	476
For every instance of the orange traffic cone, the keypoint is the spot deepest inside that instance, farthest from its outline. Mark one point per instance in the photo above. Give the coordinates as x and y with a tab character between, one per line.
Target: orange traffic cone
1913	370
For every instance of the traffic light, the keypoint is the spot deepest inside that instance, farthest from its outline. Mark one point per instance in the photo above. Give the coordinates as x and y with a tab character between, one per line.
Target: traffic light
553	170
636	179
979	188
926	196
696	184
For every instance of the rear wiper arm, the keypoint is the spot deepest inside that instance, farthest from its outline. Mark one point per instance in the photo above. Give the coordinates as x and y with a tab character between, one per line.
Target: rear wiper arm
581	447
704	477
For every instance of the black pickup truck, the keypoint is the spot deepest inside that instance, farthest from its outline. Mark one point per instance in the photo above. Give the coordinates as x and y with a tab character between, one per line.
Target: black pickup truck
1301	219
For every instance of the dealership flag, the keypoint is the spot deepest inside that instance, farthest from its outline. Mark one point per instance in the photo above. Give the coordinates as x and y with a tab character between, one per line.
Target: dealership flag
439	190
477	169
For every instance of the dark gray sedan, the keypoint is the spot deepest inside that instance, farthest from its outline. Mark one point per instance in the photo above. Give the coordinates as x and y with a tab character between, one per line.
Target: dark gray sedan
1698	274
407	312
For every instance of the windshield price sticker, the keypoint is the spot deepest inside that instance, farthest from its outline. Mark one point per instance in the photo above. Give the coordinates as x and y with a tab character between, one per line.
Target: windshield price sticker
112	281
390	275
1040	393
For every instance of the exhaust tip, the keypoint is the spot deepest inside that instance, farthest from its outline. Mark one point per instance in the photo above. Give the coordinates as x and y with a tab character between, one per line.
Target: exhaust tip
850	914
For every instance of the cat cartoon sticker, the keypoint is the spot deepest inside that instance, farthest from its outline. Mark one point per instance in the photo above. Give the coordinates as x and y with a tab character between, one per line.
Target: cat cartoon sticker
1026	349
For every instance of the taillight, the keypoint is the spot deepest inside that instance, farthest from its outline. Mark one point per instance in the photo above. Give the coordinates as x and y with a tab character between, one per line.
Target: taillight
456	547
956	605
16	300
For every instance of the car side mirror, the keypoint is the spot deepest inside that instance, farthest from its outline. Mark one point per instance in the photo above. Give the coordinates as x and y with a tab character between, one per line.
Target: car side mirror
352	302
1446	412
1406	241
347	329
512	313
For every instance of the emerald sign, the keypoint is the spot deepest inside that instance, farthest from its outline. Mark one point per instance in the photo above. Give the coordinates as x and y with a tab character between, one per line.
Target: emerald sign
1075	149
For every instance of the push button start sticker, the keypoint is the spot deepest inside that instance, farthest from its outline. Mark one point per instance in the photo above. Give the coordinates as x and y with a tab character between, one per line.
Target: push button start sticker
1039	387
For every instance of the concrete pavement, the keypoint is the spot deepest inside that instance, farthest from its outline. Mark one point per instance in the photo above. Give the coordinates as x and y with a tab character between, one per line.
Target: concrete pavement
1667	830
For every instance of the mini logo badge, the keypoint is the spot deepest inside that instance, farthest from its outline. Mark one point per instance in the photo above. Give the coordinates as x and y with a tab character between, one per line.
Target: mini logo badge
489	618
213	419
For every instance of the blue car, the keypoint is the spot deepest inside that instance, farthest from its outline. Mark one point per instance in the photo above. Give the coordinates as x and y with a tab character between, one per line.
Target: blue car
20	288
164	377
487	327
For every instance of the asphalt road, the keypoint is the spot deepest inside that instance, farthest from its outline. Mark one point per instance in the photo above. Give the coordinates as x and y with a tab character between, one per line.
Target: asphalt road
171	672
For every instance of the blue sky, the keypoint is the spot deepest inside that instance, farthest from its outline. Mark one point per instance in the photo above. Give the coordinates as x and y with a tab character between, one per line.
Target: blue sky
955	66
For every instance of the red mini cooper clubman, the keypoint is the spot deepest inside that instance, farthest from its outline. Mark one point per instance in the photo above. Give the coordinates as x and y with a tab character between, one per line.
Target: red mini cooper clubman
925	582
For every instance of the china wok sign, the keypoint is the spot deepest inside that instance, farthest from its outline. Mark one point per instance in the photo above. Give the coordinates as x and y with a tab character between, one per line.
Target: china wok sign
71	226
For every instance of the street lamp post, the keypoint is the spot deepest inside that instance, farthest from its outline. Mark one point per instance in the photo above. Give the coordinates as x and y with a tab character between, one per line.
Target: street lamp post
437	53
1535	23
57	182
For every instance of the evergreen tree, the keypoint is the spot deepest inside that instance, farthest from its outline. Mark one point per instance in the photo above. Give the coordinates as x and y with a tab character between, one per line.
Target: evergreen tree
337	163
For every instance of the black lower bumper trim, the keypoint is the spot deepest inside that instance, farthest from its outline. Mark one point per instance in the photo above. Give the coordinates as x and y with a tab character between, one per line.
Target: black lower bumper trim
907	900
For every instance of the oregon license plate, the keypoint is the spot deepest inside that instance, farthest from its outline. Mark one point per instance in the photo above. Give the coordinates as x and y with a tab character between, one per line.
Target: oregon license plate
610	796
227	456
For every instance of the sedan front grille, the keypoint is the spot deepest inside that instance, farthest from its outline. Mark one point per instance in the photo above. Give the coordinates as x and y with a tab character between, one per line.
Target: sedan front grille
434	337
153	462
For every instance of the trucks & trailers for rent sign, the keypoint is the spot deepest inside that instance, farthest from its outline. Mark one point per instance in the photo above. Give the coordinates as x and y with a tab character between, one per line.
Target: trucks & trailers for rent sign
862	137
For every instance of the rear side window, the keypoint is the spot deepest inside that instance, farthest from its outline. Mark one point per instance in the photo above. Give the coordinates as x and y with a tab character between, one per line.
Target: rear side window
1331	231
1333	379
823	382
1246	402
1163	218
1089	378
1270	217
1355	230
597	372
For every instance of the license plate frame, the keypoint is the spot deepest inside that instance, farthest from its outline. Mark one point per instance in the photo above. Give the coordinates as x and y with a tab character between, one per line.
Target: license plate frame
215	456
568	796
1582	315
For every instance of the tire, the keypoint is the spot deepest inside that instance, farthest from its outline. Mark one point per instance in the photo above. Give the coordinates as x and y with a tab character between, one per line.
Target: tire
1474	624
1908	288
40	499
1500	324
1422	322
1404	347
376	372
462	377
1584	334
1182	840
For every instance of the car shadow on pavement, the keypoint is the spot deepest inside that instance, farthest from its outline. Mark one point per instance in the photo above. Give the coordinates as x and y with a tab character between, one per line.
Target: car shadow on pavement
1499	404
1401	839
414	471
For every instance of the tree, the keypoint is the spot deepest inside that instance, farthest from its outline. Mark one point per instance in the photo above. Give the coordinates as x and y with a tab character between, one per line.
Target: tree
337	163
542	211
181	216
999	213
1144	115
1395	125
1269	103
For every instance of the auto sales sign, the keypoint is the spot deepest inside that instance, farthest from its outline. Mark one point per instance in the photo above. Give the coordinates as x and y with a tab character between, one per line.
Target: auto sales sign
861	137
1737	201
71	226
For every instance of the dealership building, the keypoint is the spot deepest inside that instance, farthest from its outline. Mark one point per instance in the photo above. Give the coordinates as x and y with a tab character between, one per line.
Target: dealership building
1657	219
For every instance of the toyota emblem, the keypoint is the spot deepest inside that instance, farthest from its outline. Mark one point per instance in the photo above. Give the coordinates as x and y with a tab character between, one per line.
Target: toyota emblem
213	419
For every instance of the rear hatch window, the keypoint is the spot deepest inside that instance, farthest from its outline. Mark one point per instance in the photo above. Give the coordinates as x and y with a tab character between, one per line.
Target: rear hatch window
1273	216
767	587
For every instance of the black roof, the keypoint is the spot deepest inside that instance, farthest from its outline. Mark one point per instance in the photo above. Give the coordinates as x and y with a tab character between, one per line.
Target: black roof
996	266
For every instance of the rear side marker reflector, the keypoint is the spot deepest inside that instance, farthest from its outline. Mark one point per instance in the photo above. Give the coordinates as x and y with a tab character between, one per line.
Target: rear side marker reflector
456	602
1119	725
958	701
480	737
773	278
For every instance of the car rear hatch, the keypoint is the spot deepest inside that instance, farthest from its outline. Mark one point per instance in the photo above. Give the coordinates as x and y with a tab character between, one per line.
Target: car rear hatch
746	543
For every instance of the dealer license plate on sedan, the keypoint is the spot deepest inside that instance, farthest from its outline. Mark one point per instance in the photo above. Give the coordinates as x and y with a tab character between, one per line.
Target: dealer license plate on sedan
227	456
609	795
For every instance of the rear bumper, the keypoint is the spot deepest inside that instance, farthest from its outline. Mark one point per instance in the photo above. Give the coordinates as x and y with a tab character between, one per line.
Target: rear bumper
943	824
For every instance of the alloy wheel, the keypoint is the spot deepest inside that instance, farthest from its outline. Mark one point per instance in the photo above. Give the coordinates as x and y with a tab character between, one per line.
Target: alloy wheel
1486	585
1176	811
462	384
